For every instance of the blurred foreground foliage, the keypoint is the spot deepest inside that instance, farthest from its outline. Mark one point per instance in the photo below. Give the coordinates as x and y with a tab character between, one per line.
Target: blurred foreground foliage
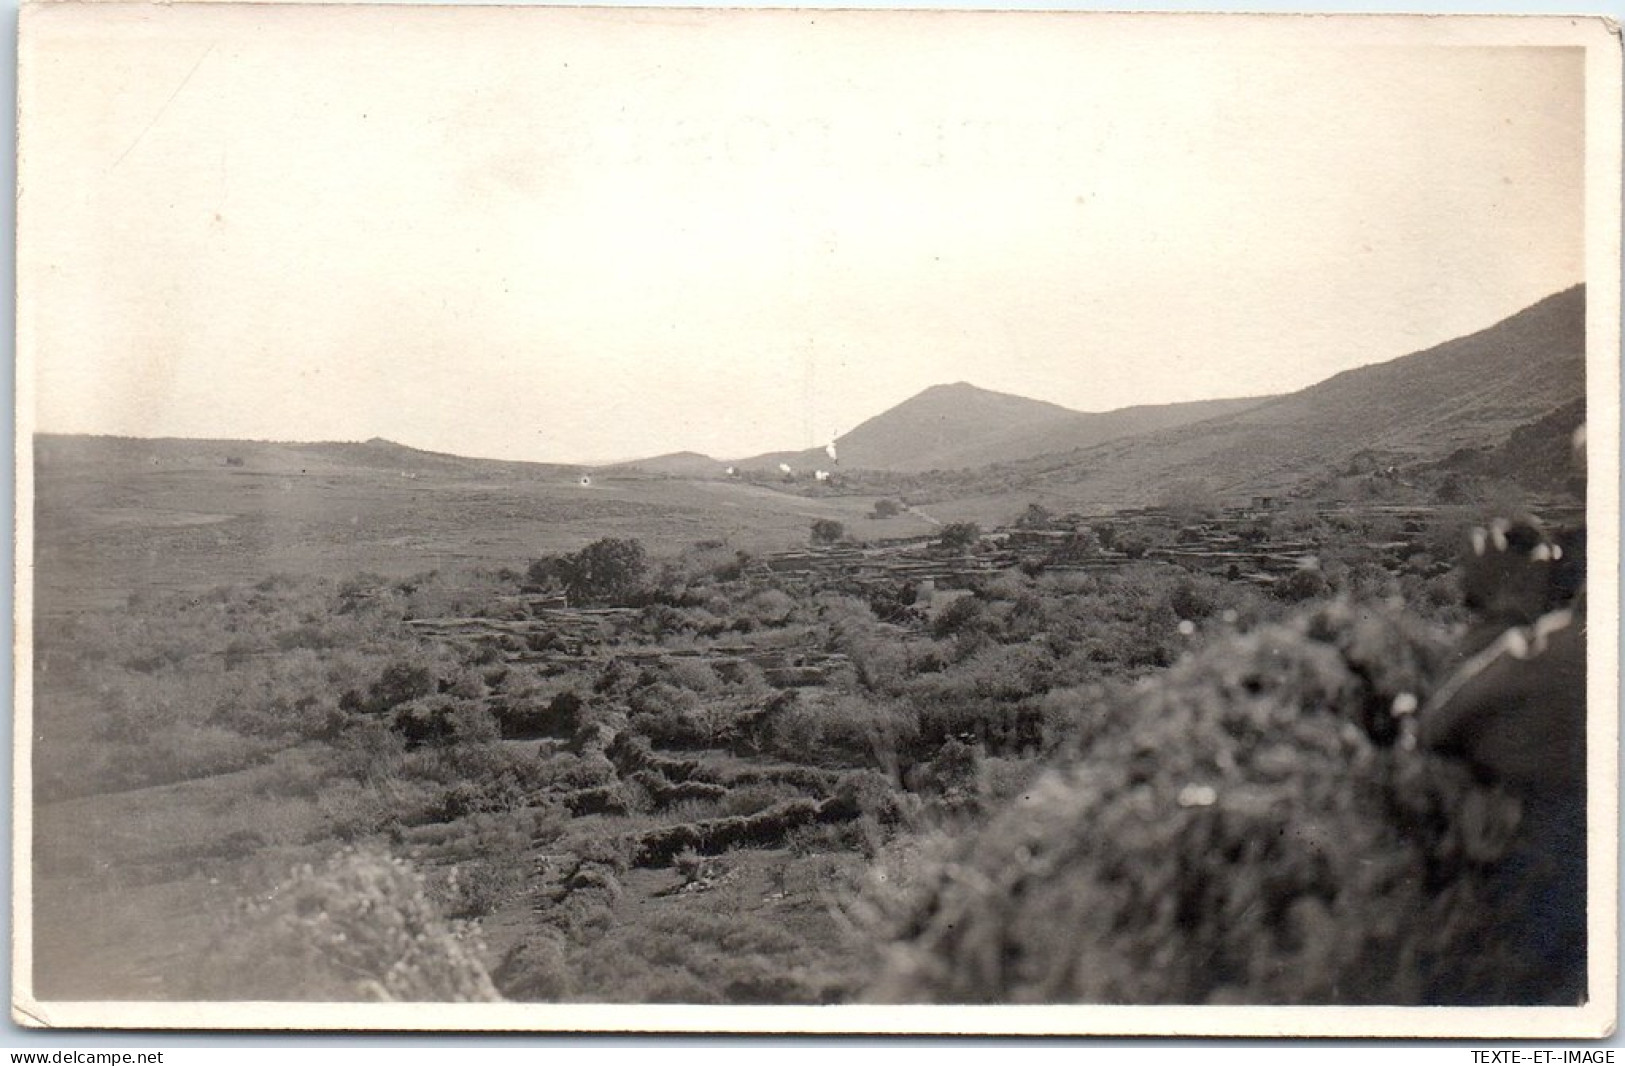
1241	830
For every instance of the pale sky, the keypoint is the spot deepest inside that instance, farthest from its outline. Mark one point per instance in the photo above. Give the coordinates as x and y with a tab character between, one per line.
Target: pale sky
578	235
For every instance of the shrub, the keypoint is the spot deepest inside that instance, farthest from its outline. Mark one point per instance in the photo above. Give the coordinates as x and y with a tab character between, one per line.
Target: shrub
952	768
593	846
765	828
959	536
885	508
695	675
475	889
444	720
576	771
893	601
808	779
827	531
603	799
367	751
480	779
1193	598
360	926
630	752
524	715
1006	672
1235	833
596	878
771	607
607	571
1307	584
1036	516
400	683
965	615
661	698
536	970
693	956
1079	546
677	718
1133	545
849	730
756	797
872	794
665	793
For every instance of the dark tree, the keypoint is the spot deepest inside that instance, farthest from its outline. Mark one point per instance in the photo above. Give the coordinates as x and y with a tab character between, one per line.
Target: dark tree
1036	516
608	571
891	601
401	682
959	536
827	531
1079	546
886	508
1302	585
545	572
1133	545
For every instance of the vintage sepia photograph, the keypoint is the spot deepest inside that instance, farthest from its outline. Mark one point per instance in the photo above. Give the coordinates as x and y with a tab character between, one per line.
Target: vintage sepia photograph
570	518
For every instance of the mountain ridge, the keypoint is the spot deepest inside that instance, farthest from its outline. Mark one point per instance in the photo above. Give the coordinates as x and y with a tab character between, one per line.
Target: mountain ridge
375	453
1471	391
963	426
686	463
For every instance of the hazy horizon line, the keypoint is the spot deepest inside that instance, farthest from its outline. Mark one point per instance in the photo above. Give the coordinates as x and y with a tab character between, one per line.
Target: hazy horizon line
624	461
601	463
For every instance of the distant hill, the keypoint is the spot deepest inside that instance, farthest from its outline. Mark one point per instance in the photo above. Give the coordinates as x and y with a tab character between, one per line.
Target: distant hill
960	426
53	450
381	454
116	516
1467	393
673	464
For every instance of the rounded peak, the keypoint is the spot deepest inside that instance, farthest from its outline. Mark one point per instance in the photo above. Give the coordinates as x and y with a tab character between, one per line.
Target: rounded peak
957	390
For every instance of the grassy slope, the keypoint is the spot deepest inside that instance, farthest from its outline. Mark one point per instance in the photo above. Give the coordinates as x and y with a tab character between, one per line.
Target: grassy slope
1469	391
116	517
675	464
955	427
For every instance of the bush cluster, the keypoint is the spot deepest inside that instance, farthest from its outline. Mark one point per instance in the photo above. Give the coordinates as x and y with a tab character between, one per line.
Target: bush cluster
1238	830
359	926
658	847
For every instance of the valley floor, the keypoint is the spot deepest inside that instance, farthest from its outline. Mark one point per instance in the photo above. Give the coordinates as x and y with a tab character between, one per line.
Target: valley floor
272	762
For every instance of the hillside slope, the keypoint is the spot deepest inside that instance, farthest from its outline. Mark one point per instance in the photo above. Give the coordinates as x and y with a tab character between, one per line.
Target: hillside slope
1469	392
960	426
673	464
66	452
